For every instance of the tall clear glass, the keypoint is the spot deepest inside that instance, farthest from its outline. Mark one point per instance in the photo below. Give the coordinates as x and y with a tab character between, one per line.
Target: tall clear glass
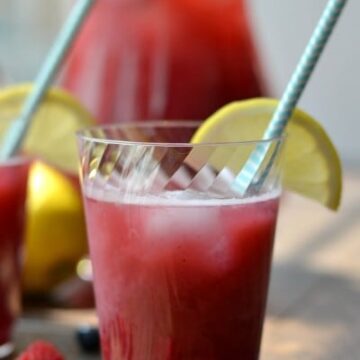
181	261
13	185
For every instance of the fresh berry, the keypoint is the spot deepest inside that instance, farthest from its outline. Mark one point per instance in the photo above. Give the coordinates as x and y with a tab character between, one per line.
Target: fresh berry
40	350
88	338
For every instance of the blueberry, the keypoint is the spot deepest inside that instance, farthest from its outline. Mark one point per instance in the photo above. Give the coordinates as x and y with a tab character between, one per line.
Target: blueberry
88	338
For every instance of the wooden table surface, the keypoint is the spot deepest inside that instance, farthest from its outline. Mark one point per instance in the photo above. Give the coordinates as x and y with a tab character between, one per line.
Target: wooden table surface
314	301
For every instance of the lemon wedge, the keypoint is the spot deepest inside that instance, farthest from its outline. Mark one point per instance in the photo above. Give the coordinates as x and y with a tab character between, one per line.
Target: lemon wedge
311	165
51	134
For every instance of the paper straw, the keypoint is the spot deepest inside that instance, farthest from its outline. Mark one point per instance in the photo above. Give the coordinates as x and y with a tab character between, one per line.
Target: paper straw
19	127
292	93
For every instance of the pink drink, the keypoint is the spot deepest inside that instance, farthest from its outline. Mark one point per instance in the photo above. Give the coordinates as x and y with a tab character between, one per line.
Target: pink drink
163	59
181	279
13	183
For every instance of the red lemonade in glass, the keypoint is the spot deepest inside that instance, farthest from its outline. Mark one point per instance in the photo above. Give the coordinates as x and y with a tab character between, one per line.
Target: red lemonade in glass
13	184
181	279
181	260
163	59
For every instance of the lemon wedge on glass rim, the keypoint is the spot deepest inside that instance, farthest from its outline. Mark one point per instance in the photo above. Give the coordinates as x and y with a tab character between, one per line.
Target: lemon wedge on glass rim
310	163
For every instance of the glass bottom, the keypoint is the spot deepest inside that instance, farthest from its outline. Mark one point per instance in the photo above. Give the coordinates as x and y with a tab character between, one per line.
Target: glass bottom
6	350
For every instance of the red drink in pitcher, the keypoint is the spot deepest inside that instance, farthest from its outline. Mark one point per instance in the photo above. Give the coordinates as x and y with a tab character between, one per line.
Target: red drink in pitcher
163	59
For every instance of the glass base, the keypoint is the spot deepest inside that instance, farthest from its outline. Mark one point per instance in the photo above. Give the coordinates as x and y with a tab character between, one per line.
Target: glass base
6	350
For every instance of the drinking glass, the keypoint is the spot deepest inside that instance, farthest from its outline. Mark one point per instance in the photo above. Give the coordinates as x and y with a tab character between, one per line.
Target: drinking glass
13	184
181	260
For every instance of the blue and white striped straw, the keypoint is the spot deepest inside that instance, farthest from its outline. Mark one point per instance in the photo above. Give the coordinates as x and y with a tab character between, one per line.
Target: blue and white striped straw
19	127
292	93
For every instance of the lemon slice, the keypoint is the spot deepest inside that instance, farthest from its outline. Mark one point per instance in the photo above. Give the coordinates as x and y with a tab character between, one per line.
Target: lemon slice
311	165
51	134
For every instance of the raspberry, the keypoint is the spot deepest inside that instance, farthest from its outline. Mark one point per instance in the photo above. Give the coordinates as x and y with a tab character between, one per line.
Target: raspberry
40	350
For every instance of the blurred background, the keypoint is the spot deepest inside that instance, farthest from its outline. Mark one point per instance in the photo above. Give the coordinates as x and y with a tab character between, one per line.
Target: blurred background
280	28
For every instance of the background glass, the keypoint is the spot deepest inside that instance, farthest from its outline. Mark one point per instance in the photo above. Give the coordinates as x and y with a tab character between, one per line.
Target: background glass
13	185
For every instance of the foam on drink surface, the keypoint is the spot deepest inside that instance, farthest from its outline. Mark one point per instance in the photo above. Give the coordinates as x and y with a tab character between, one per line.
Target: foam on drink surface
172	198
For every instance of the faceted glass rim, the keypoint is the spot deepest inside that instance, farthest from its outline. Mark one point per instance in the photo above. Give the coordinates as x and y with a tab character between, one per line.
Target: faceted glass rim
82	134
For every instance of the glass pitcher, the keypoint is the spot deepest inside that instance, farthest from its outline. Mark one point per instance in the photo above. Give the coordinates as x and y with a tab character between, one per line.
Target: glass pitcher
155	59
